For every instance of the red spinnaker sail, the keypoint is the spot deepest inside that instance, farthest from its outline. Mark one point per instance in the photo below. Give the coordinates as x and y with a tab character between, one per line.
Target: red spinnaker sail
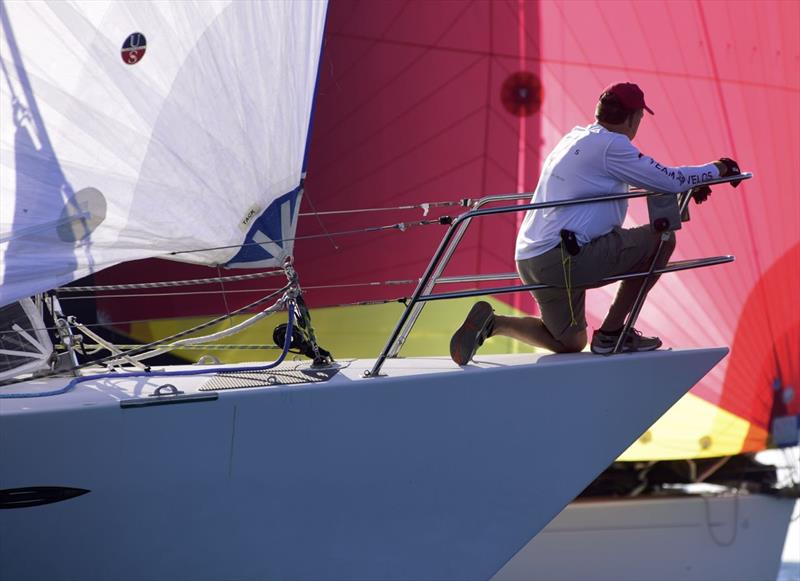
430	101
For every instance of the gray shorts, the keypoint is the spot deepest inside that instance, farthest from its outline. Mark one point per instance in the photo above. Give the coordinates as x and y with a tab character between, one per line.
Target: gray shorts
621	251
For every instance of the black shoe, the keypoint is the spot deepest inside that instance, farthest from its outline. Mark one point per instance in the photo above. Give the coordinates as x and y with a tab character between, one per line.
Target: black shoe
472	333
604	343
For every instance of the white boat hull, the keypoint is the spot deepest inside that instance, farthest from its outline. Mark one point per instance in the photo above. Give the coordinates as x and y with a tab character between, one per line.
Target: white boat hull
695	538
433	471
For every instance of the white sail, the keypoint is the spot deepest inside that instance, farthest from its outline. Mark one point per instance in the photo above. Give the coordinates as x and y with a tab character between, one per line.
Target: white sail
138	129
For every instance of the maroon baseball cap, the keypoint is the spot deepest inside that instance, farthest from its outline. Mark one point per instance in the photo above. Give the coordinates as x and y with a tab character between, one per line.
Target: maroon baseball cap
630	95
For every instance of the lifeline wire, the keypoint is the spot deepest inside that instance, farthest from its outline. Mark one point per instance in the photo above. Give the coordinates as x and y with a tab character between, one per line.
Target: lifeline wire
212	346
401	226
144	348
240	291
365	303
170	283
287	342
426	207
256	290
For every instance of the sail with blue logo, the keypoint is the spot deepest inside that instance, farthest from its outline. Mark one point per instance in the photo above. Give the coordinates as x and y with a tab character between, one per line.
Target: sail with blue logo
151	129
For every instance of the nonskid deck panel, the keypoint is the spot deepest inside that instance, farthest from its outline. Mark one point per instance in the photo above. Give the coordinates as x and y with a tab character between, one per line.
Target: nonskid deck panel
283	375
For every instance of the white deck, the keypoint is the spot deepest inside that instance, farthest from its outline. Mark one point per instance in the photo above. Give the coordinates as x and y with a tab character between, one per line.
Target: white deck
110	391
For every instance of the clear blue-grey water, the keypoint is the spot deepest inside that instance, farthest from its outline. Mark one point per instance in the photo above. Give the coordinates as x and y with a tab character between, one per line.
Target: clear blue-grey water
789	571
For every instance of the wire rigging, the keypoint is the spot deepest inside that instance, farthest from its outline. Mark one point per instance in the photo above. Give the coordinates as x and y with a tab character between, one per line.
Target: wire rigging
372	284
425	207
165	340
401	226
170	283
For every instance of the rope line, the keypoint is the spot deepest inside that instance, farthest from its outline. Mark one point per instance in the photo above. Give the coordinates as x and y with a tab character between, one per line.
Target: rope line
566	266
734	525
398	282
425	207
402	300
401	226
170	283
286	345
320	222
210	346
163	341
240	291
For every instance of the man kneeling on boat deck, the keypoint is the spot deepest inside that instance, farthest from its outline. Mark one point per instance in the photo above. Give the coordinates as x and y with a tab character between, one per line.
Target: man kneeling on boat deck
574	247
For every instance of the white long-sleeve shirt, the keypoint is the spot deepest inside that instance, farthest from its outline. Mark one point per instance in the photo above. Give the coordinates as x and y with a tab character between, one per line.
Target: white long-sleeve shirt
593	161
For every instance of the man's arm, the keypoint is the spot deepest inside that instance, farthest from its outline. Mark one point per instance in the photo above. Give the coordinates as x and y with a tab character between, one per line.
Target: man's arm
624	162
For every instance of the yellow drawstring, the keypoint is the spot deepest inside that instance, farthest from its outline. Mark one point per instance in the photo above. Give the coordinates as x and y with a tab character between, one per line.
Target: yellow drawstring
566	265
